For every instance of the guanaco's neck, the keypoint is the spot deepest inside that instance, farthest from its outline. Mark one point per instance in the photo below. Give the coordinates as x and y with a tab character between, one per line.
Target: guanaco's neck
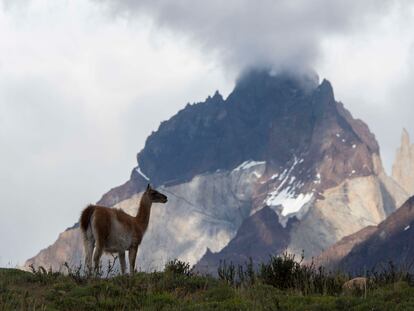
144	212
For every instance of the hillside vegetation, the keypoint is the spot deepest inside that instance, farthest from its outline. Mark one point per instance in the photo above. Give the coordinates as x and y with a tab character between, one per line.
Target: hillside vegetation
280	284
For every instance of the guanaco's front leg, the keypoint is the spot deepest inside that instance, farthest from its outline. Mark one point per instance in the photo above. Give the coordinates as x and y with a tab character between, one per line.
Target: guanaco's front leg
132	257
122	261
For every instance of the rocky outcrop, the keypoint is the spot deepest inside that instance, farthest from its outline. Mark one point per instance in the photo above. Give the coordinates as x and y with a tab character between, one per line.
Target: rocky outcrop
337	213
392	241
281	142
375	246
331	257
344	209
403	168
66	249
259	236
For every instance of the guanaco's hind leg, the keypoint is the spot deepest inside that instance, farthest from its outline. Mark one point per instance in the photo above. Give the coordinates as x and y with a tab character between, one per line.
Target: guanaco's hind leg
88	246
97	256
122	261
101	225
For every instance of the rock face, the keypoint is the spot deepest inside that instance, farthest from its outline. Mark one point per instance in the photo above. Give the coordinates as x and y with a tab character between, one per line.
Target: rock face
331	257
65	249
259	236
277	141
391	240
403	168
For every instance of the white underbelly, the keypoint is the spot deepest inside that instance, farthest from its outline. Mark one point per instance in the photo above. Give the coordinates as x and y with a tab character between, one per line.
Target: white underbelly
119	239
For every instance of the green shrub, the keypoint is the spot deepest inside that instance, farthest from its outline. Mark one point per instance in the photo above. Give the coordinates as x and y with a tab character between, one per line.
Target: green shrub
178	267
281	272
227	272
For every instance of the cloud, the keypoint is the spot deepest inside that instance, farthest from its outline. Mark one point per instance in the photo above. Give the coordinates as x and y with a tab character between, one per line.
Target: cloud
363	47
8	4
244	33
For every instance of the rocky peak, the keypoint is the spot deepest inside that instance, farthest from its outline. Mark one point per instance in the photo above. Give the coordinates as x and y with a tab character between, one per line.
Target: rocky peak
216	97
275	118
259	80
403	167
405	139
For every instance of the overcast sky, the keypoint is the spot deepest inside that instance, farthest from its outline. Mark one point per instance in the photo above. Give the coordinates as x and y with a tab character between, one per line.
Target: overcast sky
83	83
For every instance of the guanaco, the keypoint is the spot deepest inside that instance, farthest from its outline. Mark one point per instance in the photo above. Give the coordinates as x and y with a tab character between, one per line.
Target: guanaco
359	284
114	231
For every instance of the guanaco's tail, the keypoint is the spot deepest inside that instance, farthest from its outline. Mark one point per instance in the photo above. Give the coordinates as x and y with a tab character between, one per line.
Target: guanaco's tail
85	218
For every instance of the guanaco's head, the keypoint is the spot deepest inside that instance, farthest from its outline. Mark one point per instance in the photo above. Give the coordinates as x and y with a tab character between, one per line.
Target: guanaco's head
155	196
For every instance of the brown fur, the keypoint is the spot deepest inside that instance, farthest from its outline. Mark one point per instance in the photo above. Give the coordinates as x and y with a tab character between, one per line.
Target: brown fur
86	217
96	226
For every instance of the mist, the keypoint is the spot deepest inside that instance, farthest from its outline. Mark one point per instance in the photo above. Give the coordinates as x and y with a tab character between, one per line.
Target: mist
282	35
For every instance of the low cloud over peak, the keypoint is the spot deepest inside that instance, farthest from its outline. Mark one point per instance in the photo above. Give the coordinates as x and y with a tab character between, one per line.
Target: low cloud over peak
244	33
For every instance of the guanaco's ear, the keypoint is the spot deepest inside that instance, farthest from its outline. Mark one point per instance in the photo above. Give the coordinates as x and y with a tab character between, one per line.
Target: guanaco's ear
148	187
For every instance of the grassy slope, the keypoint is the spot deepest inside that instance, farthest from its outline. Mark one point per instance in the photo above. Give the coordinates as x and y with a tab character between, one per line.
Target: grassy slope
168	291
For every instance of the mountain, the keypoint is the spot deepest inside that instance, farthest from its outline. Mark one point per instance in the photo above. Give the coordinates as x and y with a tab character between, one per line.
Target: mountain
403	167
374	247
277	141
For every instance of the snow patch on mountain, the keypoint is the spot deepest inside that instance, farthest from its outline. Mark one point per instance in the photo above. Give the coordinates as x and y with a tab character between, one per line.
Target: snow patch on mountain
248	164
291	204
285	199
138	170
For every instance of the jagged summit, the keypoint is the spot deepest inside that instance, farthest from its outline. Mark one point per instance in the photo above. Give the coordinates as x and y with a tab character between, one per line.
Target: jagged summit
216	97
405	138
267	117
256	78
403	167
